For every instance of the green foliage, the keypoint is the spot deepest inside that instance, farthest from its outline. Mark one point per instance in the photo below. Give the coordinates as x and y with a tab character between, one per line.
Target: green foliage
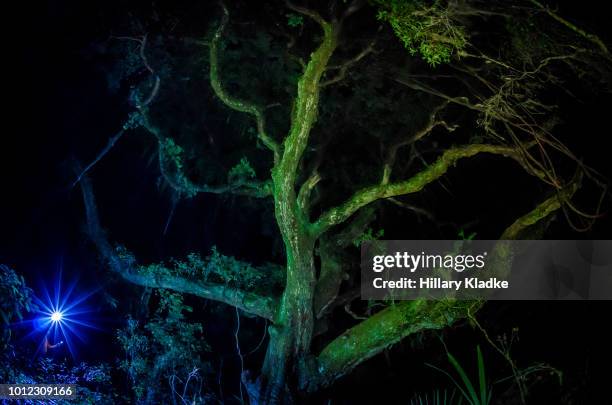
479	394
134	121
424	27
242	172
463	236
294	20
125	255
94	381
173	154
368	235
15	297
164	347
218	268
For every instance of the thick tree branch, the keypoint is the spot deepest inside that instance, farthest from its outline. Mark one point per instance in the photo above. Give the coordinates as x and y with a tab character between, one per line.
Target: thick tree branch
246	301
339	214
303	118
331	249
543	210
232	102
295	317
396	322
384	329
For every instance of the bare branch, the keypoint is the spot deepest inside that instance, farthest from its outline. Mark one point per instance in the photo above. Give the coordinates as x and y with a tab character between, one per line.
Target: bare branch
591	37
342	69
109	145
427	129
355	6
417	210
131	121
383	329
232	102
306	190
504	107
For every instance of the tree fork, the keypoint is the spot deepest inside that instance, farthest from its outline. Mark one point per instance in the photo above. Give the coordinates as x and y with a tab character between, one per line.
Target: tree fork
291	334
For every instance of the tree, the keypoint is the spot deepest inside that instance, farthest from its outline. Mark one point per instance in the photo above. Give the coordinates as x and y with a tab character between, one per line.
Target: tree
489	93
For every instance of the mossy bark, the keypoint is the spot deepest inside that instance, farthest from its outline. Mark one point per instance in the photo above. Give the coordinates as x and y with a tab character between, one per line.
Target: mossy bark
291	334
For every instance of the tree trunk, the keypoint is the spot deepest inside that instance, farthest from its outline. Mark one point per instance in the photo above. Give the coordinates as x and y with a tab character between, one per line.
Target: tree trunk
288	353
290	335
288	358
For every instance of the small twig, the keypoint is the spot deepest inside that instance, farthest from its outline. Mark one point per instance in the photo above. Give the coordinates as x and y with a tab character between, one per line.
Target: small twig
348	310
343	68
588	36
263	338
239	353
109	145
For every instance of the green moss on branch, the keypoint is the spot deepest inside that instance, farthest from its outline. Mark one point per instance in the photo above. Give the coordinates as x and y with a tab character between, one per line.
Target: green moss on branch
416	183
384	329
232	102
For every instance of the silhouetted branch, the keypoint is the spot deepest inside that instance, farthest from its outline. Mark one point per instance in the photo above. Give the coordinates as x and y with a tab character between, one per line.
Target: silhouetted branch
343	68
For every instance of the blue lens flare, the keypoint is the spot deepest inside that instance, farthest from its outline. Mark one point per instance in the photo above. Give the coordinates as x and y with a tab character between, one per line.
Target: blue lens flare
62	317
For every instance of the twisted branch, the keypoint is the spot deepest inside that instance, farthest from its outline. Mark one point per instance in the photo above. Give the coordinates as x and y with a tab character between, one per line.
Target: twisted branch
232	102
449	158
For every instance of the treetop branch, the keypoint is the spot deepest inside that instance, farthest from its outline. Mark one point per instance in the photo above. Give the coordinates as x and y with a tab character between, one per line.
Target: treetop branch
233	102
339	214
590	37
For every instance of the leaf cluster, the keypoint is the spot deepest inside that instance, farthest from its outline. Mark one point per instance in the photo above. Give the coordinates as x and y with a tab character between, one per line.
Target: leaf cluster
424	27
